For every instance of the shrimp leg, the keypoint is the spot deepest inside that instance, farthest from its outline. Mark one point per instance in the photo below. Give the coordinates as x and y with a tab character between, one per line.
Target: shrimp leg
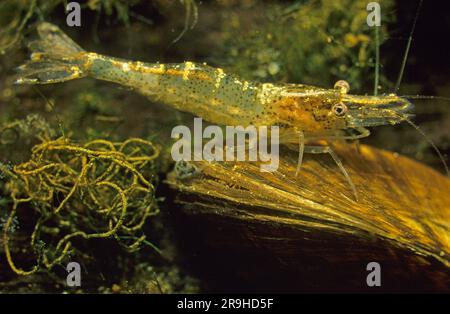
328	150
301	150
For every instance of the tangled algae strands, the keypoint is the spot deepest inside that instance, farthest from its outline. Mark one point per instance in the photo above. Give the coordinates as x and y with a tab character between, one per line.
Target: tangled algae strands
402	203
98	189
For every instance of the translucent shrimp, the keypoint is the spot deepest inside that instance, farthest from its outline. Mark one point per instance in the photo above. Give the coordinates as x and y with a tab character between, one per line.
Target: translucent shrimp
308	116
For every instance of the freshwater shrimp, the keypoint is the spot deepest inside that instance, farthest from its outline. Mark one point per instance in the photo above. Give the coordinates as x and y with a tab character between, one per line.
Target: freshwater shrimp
308	116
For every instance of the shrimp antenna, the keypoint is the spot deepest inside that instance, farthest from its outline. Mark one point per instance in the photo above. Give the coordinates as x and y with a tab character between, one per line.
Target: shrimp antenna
52	107
377	61
436	149
426	97
408	46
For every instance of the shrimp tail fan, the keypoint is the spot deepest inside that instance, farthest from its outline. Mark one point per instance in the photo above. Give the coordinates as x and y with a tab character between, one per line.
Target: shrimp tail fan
54	58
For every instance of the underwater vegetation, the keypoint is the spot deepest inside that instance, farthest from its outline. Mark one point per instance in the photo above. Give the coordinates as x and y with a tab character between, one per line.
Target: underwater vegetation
86	172
97	189
278	45
16	14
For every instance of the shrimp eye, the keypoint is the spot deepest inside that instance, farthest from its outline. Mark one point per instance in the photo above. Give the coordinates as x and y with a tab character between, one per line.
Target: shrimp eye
339	109
342	86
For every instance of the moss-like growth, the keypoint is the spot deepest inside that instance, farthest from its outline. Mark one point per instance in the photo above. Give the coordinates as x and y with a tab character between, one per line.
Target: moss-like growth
316	42
97	189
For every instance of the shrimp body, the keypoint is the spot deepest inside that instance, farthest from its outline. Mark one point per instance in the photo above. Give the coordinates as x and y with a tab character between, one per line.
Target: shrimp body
214	95
225	99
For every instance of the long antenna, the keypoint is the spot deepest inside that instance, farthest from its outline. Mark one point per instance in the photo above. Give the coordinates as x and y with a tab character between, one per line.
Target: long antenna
52	107
408	46
426	97
436	149
377	61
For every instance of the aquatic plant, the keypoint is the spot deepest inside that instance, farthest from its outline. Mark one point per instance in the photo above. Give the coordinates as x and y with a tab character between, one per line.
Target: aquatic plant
96	189
311	42
14	18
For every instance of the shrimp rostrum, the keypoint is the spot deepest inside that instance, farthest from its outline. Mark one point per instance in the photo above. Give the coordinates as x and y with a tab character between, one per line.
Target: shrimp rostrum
309	117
